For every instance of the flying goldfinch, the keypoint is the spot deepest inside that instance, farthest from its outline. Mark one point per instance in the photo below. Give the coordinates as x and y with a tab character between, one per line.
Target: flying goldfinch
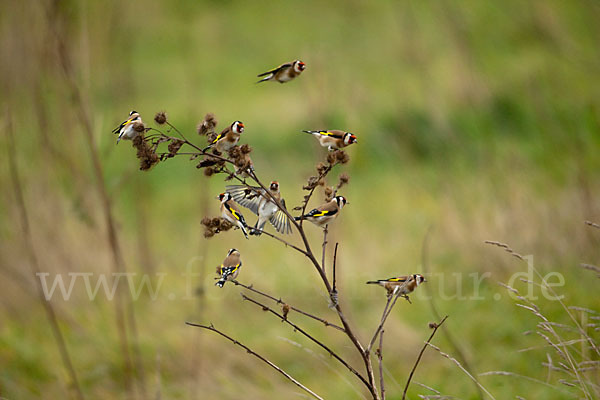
228	138
231	213
125	130
260	203
402	285
230	268
334	139
325	213
284	73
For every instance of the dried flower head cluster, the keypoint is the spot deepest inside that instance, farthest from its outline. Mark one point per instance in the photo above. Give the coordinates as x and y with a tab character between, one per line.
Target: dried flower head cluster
214	225
240	155
207	126
160	117
338	157
145	153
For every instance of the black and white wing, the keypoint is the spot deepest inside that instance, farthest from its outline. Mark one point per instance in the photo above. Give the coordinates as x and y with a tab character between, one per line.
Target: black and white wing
248	197
280	221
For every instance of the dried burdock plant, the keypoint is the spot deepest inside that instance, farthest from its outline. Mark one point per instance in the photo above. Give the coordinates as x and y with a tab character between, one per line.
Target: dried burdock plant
236	164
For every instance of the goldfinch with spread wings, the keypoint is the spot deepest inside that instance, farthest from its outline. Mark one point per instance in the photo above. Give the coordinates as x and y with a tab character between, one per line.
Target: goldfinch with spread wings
230	268
325	213
284	73
334	139
228	138
260	203
231	213
402	285
125	129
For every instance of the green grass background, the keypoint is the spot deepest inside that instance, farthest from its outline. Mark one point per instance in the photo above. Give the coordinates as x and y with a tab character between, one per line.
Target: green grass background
476	120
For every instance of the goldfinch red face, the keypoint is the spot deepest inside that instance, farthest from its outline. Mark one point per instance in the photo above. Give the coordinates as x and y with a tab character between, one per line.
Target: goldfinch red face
237	127
299	66
419	279
349	138
274	186
224	197
341	201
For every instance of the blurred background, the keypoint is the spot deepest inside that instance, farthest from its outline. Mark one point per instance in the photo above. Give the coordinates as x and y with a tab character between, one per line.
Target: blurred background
476	121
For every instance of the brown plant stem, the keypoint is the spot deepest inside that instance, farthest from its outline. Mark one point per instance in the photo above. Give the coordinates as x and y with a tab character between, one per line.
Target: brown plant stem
280	301
35	266
309	253
386	312
380	359
312	338
117	260
412	372
260	357
325	231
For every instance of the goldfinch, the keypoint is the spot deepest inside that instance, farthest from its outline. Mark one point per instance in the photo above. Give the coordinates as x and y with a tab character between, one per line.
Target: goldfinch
284	73
231	213
326	213
334	139
230	268
402	285
228	138
125	130
260	203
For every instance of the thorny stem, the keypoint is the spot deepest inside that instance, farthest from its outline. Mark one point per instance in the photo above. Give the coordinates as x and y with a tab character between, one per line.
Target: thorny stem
255	354
297	328
280	301
435	328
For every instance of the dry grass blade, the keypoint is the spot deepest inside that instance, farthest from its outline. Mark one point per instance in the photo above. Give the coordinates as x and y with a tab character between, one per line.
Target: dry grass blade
455	361
35	268
506	248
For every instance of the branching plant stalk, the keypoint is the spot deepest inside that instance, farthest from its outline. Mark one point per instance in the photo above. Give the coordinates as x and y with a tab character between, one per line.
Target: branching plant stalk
412	372
312	338
281	301
260	357
309	253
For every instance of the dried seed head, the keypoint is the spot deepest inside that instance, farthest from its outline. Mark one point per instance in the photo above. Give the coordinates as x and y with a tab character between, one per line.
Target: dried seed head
146	154
174	146
208	171
285	309
342	156
208	234
138	126
432	325
321	168
331	158
328	192
344	179
245	149
160	117
206	221
207	125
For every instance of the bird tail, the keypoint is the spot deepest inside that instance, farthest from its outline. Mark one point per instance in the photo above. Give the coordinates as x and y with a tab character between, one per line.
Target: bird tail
310	132
207	147
266	78
244	230
220	283
372	282
300	218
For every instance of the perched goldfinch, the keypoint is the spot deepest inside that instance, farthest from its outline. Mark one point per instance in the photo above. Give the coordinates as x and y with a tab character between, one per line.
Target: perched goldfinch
228	138
260	203
334	139
284	73
403	285
326	213
230	268
125	130
231	213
